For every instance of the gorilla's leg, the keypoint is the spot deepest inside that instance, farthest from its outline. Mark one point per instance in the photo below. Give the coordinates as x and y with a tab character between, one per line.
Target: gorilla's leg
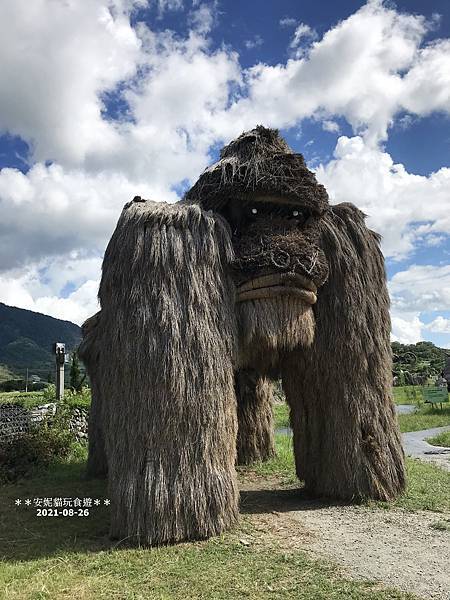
255	417
346	440
89	351
172	476
167	379
97	465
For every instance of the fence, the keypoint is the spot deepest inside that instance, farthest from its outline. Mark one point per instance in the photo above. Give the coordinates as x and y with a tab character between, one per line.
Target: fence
15	420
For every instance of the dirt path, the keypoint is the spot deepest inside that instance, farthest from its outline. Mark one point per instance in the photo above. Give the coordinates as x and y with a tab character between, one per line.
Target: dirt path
400	549
415	445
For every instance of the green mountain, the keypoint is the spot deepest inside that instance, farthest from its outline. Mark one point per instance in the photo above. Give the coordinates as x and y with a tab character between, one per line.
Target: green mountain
27	338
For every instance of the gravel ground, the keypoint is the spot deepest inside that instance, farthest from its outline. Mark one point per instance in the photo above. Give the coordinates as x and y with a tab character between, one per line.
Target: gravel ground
403	550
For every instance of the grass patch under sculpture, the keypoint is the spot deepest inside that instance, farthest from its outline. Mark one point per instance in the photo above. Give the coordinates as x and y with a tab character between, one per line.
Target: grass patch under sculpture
73	557
427	488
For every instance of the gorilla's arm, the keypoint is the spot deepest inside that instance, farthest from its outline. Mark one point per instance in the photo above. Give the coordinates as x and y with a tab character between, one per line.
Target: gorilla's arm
165	374
346	438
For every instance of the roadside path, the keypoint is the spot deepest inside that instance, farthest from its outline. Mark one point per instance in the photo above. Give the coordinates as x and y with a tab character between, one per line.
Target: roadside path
415	445
414	442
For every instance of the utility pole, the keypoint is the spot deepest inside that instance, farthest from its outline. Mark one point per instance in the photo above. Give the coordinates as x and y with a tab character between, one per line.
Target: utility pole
26	382
60	355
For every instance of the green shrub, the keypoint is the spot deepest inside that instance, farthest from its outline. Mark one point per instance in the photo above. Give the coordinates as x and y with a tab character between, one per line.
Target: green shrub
81	399
33	451
49	394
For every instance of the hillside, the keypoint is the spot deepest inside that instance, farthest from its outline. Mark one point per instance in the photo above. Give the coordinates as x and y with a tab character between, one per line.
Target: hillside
6	374
26	340
414	362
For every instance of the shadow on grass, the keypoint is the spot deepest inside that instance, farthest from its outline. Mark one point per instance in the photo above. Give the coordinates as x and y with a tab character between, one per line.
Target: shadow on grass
282	500
26	536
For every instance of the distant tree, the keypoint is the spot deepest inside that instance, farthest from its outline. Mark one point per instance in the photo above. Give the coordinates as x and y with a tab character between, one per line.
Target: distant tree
415	363
76	379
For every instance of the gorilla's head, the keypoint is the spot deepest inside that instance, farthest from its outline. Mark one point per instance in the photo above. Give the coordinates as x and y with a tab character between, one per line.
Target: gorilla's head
274	206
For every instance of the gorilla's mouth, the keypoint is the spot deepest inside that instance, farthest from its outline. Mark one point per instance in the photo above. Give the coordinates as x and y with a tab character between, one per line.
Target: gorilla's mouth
276	285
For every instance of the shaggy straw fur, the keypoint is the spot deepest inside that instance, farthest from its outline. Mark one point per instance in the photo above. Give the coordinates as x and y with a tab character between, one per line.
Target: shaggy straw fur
166	375
89	352
346	438
255	417
258	162
268	328
188	302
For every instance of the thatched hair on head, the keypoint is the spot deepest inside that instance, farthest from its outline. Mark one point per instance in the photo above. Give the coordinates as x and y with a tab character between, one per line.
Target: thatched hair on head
258	163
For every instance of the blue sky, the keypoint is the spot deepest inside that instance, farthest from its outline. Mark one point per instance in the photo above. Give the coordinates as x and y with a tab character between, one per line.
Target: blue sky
113	98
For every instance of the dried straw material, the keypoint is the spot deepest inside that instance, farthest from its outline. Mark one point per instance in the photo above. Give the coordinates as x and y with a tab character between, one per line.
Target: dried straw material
89	352
258	163
166	375
255	417
196	316
346	438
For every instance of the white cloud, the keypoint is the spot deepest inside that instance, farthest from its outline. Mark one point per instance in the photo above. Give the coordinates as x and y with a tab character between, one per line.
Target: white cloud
185	96
77	307
169	5
52	211
439	325
367	68
330	126
406	328
255	42
427	83
421	288
57	57
302	32
41	288
415	290
287	22
403	207
203	18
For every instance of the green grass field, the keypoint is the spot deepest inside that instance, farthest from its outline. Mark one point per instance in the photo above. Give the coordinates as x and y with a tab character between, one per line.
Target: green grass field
58	558
407	394
26	399
32	399
443	439
426	417
428	486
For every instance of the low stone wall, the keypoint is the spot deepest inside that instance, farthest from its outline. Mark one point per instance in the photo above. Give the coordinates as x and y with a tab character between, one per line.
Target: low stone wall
78	423
15	420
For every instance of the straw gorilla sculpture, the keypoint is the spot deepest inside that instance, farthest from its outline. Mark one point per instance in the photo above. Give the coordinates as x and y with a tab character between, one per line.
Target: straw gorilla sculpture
253	276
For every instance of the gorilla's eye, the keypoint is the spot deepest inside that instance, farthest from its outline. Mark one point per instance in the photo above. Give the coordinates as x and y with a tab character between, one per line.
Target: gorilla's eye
254	211
301	216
